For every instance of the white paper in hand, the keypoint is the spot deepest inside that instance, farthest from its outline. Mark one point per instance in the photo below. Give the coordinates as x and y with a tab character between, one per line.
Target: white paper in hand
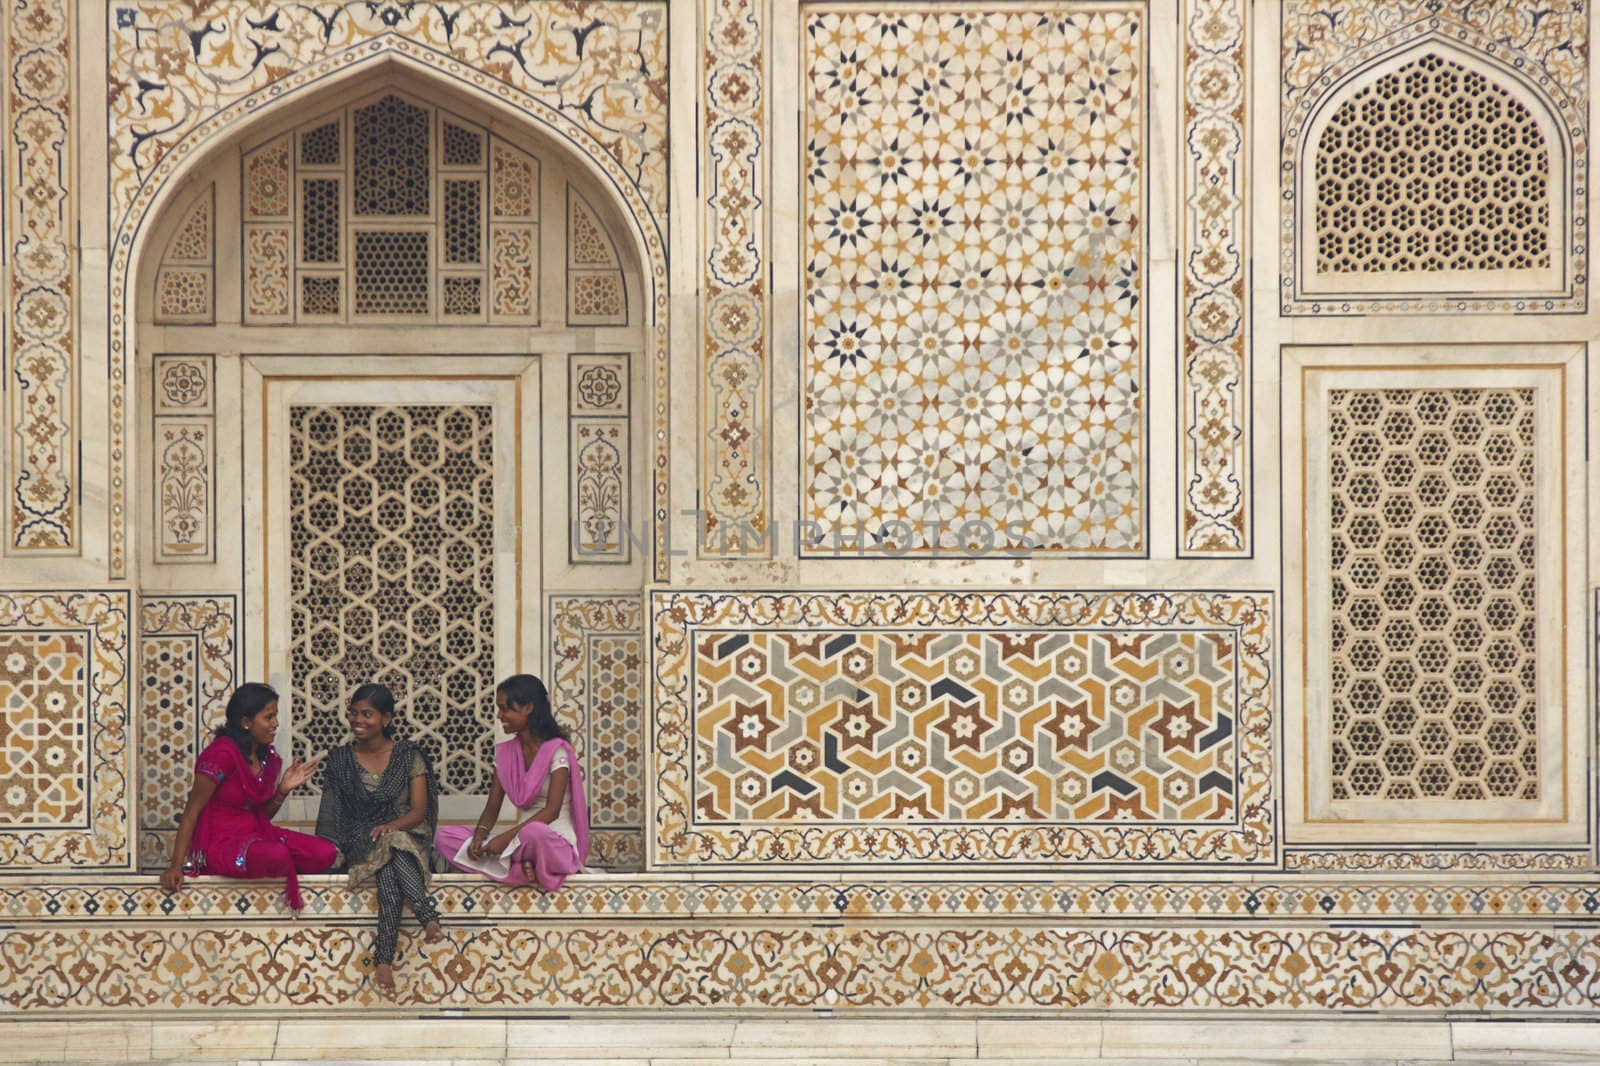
496	866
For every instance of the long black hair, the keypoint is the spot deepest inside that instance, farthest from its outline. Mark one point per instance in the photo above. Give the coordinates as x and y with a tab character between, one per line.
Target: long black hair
525	690
247	701
382	701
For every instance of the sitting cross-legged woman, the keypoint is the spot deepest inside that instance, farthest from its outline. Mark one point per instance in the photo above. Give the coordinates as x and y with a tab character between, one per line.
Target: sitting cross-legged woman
227	825
537	770
380	804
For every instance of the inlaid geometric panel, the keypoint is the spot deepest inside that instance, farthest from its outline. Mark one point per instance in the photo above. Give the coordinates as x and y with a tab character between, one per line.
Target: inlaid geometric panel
1434	537
513	183
596	293
598	658
184	278
64	730
974	243
392	575
266	181
1427	151
966	727
187	670
997	727
44	762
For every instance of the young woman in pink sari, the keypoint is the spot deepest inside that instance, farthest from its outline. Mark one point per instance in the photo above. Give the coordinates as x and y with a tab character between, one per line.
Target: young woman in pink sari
537	770
227	825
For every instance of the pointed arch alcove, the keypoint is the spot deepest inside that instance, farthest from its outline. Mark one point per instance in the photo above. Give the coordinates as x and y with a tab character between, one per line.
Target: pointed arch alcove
1433	177
403	464
596	89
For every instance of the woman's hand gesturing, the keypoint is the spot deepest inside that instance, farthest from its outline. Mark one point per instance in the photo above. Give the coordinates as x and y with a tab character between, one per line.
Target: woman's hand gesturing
297	774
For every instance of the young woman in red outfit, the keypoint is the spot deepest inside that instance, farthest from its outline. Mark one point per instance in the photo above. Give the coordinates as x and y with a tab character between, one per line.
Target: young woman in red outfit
227	825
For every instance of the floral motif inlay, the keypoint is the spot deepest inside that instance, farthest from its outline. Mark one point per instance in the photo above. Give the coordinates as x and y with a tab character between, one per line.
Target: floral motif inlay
1213	365
41	451
736	425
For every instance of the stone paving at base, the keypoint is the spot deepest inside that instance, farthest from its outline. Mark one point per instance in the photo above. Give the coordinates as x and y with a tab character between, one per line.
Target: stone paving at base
637	1041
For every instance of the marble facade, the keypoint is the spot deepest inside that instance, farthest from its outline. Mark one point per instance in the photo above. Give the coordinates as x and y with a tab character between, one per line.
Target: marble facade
1045	504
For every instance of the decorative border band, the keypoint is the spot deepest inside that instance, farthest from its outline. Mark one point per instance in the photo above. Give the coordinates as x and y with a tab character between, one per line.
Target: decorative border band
953	967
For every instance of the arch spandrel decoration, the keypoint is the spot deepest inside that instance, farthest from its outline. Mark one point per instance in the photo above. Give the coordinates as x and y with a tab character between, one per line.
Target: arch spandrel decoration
1333	52
592	76
184	282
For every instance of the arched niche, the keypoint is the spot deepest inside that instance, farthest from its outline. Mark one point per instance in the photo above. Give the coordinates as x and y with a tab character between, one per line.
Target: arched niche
226	399
1434	172
155	163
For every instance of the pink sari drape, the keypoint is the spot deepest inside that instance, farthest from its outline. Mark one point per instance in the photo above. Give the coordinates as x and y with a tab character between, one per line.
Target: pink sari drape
553	858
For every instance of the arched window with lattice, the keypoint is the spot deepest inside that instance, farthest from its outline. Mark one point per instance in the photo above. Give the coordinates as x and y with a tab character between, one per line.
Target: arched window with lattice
1433	174
391	210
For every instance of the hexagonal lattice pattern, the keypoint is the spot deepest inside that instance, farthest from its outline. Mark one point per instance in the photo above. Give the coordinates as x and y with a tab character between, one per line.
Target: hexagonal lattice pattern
372	239
1432	167
1434	692
391	159
392	575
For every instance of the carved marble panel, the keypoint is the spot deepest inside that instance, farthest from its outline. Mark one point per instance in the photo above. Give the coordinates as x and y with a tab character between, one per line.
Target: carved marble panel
188	667
1000	728
598	662
1434	157
974	234
42	493
736	425
64	730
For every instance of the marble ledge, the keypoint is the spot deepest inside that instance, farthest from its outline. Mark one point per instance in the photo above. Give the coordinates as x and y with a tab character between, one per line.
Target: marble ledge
1261	899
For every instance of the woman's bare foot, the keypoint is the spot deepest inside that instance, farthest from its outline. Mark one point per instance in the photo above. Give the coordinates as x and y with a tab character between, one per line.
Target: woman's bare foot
431	933
383	977
527	873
